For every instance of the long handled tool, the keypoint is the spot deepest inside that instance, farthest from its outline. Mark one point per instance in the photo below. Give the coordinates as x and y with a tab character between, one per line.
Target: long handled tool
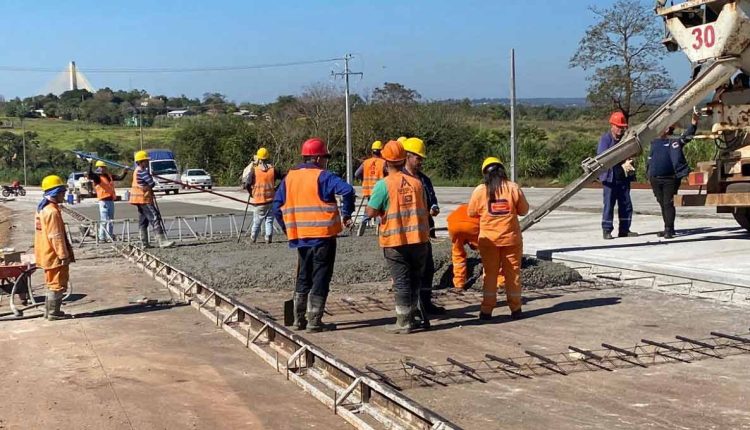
356	215
239	236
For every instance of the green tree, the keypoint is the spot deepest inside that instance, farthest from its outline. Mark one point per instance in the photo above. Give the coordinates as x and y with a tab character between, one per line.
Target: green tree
395	93
622	50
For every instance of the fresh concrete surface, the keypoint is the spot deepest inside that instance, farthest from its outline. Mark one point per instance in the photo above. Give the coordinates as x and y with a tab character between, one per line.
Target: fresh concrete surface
167	369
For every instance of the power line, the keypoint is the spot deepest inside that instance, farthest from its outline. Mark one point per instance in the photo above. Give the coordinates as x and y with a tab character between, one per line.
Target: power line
171	69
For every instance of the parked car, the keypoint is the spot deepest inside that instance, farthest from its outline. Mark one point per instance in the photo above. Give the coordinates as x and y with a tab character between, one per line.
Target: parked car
197	178
78	182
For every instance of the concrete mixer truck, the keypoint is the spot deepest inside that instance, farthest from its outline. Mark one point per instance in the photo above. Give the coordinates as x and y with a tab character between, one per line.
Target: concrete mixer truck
715	36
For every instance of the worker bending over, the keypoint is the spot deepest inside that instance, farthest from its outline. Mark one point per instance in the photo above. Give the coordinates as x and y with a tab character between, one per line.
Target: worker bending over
464	231
104	185
261	184
52	251
416	152
305	207
399	200
142	196
497	203
369	172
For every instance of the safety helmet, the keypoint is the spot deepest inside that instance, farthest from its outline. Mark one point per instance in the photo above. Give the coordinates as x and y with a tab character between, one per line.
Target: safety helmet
415	145
618	119
141	156
100	163
52	181
490	161
401	139
377	145
393	151
262	154
314	147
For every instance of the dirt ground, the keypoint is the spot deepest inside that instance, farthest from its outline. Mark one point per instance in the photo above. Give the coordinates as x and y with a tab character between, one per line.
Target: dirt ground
237	267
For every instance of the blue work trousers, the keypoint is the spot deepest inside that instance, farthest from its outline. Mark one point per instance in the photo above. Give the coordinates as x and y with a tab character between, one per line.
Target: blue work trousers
262	216
106	215
617	193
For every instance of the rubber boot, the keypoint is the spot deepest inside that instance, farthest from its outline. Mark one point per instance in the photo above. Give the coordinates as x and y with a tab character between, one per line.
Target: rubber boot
144	237
254	237
269	239
361	228
300	306
315	307
54	301
403	321
164	242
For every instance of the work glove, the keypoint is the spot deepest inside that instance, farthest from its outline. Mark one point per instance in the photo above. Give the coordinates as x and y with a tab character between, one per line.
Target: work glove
64	261
348	222
628	167
434	210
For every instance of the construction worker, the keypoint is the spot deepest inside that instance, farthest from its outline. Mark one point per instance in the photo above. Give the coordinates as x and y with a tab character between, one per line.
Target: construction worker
369	172
104	185
497	202
260	183
142	196
665	169
464	231
52	249
399	200
306	209
616	182
416	152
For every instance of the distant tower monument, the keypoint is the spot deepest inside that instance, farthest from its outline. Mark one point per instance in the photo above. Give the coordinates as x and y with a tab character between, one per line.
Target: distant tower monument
69	79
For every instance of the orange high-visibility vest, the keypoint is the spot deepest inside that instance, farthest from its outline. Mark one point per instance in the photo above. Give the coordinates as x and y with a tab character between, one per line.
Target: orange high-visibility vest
105	189
139	196
50	242
305	215
263	186
372	172
461	224
406	220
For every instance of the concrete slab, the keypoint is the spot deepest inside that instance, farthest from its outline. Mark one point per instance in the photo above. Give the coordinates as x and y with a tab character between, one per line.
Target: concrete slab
161	369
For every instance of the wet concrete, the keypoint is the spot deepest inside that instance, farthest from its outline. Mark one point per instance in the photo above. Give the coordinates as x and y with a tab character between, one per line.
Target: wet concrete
234	267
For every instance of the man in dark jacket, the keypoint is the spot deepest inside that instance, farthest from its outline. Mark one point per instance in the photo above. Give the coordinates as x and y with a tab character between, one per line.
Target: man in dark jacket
666	167
616	182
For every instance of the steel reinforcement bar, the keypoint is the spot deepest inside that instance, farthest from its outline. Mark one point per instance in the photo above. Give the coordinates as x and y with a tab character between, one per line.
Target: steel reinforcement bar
350	393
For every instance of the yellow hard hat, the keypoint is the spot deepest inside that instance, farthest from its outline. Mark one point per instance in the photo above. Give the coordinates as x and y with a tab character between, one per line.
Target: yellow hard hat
415	145
52	181
401	139
377	145
262	154
490	161
100	163
141	155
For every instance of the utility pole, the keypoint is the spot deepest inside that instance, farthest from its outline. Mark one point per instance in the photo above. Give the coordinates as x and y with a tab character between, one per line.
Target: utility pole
513	146
140	120
23	139
347	72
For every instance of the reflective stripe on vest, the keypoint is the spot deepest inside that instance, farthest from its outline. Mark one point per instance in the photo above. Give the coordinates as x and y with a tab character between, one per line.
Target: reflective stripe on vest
372	172
137	195
406	221
263	188
105	189
305	215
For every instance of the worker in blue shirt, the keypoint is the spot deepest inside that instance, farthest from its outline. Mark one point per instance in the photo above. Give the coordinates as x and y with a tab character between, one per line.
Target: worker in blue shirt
616	182
305	207
665	169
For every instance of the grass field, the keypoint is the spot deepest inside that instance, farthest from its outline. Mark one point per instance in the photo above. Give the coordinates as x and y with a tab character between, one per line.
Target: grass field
70	134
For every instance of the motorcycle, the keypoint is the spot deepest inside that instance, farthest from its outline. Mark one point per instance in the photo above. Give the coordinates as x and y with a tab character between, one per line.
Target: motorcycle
16	191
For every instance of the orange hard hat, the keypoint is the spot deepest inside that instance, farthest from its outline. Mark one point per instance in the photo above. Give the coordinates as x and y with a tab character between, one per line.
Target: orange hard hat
618	119
393	151
313	147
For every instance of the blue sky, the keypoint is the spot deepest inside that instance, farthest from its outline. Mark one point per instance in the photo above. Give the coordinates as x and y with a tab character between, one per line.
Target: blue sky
441	48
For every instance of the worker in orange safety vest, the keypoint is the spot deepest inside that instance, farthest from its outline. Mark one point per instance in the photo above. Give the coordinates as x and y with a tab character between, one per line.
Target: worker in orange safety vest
497	202
306	209
369	172
399	199
261	184
142	196
52	250
104	185
464	231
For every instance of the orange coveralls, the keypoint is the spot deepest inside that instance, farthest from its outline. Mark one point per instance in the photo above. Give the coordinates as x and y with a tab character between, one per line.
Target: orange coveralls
500	241
464	230
51	246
